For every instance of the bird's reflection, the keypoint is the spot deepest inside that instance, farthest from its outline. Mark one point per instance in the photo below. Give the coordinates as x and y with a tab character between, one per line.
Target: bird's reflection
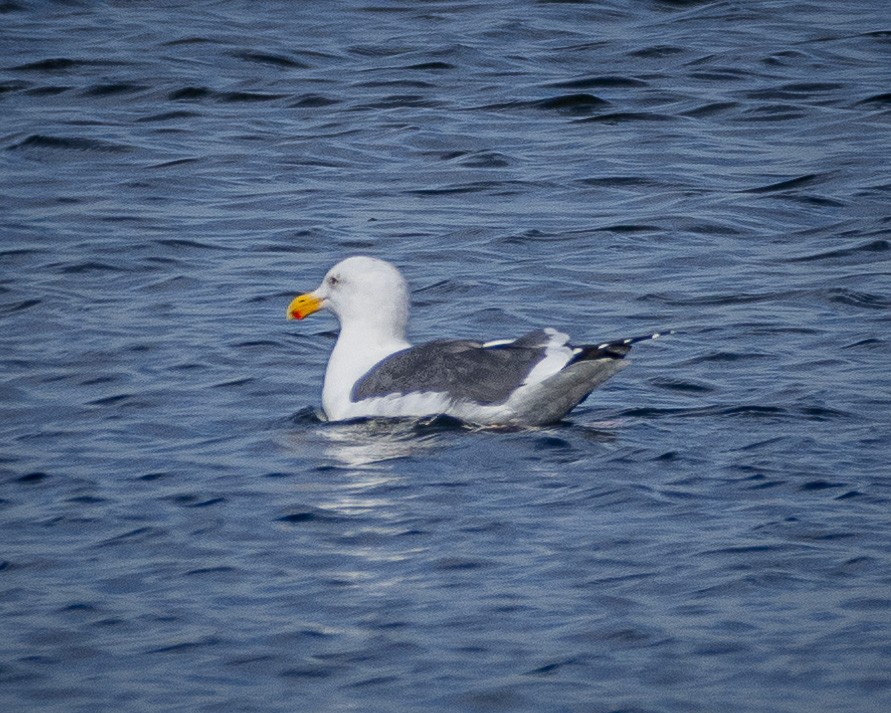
374	442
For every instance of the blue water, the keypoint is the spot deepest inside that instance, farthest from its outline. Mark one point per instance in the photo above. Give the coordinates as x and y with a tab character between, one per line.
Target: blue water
711	530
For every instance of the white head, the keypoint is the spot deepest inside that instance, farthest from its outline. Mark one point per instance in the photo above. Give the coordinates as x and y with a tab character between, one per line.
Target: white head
361	291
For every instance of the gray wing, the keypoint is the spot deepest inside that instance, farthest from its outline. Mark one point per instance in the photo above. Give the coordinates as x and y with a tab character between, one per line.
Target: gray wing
466	371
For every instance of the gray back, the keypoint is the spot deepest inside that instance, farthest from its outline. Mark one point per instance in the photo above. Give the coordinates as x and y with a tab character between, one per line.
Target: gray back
465	370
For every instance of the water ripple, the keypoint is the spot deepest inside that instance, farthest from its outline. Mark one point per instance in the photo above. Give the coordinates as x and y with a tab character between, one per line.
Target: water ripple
176	511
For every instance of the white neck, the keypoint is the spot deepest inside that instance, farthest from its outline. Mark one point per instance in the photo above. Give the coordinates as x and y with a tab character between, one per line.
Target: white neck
358	349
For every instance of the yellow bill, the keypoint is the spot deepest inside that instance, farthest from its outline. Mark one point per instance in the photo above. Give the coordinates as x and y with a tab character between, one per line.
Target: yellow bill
303	306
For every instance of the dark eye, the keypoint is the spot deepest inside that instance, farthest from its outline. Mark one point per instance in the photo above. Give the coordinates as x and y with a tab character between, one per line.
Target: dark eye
332	281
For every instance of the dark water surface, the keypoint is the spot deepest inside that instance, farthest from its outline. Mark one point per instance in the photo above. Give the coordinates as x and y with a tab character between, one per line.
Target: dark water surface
710	531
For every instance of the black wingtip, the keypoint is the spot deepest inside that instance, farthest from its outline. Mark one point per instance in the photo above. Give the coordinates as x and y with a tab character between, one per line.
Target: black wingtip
634	340
616	349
